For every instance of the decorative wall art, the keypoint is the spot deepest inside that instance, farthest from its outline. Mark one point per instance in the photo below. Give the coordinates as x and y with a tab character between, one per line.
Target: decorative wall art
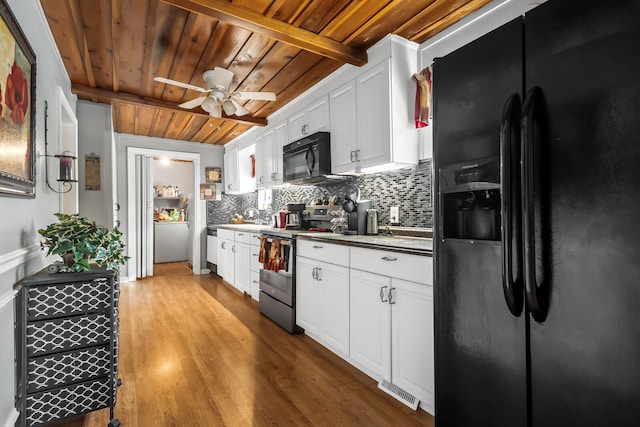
17	112
92	172
207	191
213	175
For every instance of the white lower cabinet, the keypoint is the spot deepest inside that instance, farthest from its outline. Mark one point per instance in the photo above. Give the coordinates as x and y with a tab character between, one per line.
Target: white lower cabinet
412	340
370	323
322	303
242	266
391	326
234	258
255	266
226	268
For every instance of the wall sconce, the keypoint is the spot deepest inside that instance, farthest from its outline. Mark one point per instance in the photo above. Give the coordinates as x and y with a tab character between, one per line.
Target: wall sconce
66	159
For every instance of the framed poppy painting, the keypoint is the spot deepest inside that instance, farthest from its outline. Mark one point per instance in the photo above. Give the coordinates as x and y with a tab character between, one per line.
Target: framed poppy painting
17	108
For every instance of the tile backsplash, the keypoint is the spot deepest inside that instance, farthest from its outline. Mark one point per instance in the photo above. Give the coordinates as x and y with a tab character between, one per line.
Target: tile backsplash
408	188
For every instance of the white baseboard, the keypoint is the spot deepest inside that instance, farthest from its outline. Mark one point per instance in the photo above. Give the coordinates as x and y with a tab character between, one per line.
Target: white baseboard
11	420
205	271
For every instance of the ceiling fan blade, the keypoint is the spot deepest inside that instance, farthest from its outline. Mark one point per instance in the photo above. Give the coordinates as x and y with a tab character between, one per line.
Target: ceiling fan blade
193	103
240	110
180	84
262	96
219	78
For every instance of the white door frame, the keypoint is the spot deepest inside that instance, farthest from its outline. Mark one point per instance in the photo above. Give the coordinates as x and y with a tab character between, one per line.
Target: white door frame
132	238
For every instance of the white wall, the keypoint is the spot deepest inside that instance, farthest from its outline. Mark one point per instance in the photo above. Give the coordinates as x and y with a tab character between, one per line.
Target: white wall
95	131
20	218
176	174
210	156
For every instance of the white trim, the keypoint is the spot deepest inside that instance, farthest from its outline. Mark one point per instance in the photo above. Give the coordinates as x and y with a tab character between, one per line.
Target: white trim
11	421
7	298
131	205
18	257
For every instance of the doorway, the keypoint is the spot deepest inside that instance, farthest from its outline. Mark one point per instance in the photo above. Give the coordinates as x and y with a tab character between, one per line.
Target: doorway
140	210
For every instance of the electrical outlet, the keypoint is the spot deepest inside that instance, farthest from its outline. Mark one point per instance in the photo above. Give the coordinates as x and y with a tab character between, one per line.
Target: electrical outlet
394	215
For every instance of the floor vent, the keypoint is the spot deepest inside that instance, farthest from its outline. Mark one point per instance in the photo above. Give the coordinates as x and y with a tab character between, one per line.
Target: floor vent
407	398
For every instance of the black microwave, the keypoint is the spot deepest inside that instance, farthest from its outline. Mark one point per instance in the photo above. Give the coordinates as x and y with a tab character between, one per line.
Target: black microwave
307	160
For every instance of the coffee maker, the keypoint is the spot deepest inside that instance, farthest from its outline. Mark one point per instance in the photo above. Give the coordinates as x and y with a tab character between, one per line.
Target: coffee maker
294	217
357	218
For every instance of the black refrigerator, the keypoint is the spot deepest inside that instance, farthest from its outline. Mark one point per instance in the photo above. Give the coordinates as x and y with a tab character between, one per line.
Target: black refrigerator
537	171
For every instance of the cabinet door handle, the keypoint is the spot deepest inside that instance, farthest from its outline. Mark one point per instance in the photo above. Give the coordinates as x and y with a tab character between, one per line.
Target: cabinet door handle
318	269
317	246
391	301
313	273
351	157
233	248
357	155
223	245
256	281
382	299
386	258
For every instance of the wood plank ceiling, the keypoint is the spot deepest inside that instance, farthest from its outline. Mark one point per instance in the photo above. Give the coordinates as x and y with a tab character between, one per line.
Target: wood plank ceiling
112	50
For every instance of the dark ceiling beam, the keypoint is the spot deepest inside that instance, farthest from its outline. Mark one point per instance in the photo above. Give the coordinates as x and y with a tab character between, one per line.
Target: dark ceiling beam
248	19
107	96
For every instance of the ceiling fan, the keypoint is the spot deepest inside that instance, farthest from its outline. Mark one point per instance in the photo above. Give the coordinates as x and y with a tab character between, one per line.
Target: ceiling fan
219	98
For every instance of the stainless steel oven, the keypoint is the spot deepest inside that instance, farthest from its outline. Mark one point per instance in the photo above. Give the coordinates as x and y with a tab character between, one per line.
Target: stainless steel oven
278	279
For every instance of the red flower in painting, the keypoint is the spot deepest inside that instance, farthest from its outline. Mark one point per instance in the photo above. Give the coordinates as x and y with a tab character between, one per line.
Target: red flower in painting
16	95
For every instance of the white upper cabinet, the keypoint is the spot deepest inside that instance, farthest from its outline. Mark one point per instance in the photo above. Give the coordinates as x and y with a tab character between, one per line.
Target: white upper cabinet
313	118
238	177
269	155
381	135
342	107
231	179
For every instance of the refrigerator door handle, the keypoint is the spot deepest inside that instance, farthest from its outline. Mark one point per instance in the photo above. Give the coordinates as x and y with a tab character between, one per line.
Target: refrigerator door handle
509	177
534	291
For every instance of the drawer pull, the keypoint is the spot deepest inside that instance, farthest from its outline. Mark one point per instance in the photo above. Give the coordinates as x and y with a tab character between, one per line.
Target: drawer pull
240	234
254	254
317	246
255	281
386	258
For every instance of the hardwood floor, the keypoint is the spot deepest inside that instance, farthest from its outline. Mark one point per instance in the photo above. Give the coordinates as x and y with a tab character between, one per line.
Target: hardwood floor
195	352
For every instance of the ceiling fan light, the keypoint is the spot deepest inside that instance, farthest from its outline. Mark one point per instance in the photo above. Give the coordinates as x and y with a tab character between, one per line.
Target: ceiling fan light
209	104
228	107
216	111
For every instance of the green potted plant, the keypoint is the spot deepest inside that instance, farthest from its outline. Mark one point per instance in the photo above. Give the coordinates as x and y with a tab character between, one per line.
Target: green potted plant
79	241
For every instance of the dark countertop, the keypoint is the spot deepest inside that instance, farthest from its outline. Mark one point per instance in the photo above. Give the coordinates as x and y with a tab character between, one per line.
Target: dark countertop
404	244
396	243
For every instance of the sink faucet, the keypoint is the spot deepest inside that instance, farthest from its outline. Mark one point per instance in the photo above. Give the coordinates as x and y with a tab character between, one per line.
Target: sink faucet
387	232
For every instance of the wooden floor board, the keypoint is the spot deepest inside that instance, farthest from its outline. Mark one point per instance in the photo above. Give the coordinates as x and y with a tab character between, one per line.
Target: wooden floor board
196	352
